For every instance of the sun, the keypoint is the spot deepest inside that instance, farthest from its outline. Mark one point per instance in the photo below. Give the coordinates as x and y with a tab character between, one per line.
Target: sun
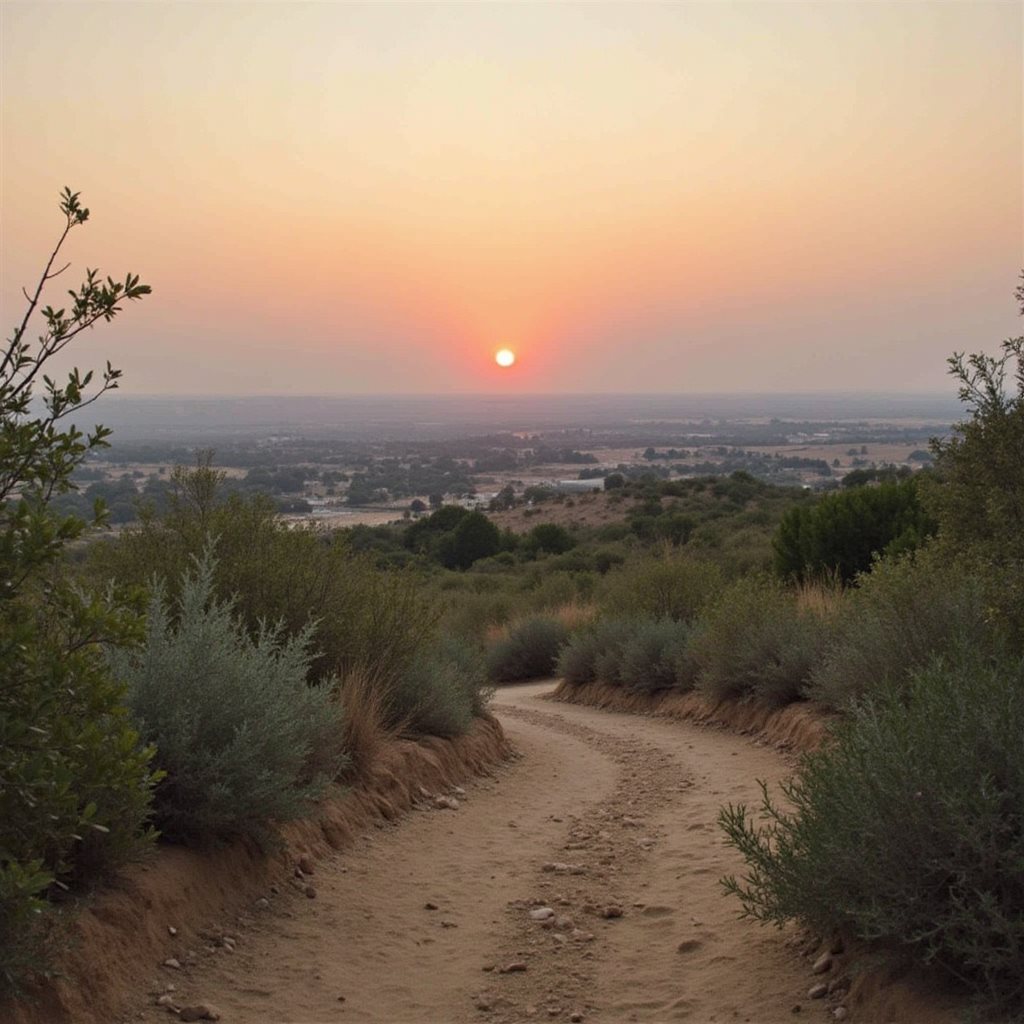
504	357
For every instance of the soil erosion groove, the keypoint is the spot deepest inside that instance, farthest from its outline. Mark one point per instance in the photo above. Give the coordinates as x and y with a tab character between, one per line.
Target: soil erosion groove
579	882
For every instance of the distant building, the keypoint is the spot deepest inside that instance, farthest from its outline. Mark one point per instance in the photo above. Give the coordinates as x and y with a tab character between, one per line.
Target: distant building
577	486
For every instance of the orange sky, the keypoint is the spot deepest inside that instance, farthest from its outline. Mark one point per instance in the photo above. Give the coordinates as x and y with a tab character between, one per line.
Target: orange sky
634	197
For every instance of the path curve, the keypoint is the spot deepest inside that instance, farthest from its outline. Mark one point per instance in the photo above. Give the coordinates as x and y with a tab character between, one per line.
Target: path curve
606	818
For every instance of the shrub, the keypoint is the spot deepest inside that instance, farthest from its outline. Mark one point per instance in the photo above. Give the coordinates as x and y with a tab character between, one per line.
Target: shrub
651	657
366	619
594	653
909	827
976	491
756	641
669	586
74	782
846	530
904	612
441	690
243	738
528	651
549	537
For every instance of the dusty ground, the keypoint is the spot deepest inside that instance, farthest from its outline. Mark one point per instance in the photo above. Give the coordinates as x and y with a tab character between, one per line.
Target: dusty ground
608	819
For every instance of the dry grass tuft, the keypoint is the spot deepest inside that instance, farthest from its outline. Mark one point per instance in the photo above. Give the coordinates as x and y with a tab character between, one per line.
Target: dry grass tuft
574	614
822	598
365	731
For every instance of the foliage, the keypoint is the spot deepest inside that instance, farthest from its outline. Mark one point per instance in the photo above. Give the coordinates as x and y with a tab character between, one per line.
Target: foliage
441	690
75	786
243	738
664	586
474	537
978	494
366	620
908	827
905	611
756	641
594	653
528	651
846	530
550	538
652	656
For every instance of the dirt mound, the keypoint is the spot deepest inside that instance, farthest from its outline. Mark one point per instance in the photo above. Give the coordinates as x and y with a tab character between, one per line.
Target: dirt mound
118	936
800	727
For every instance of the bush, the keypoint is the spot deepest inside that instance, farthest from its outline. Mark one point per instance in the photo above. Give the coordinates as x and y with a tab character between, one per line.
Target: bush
74	782
441	690
904	612
652	656
243	738
367	619
549	537
909	827
528	651
593	654
669	586
976	491
756	641
845	531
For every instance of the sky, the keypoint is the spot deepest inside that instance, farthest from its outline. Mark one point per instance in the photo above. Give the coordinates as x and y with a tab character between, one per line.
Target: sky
336	198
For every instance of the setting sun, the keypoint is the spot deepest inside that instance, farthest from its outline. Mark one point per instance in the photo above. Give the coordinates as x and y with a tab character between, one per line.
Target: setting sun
504	357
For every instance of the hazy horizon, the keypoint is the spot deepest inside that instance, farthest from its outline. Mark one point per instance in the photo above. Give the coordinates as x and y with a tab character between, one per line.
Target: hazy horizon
372	198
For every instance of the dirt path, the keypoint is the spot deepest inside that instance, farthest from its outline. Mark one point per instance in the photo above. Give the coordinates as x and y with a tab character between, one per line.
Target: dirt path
608	819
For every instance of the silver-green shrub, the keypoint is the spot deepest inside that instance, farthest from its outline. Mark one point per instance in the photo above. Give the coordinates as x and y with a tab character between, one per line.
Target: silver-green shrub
908	827
652	655
902	613
244	739
441	690
756	641
529	651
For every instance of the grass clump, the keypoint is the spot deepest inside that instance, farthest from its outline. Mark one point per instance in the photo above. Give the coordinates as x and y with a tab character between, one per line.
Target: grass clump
243	738
909	827
758	641
529	650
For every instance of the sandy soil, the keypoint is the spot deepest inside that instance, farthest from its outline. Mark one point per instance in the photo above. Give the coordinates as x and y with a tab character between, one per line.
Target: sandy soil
428	920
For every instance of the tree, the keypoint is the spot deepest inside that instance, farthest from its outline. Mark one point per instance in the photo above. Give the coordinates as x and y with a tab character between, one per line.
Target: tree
846	530
475	537
549	537
977	493
75	785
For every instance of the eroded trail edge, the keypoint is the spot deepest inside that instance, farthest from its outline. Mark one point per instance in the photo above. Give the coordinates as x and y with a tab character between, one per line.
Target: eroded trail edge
578	882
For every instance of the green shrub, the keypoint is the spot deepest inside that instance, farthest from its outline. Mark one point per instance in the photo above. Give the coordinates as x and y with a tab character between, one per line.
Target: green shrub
651	656
756	641
587	650
904	612
845	531
74	783
529	651
668	586
550	538
367	620
470	615
243	738
441	690
909	827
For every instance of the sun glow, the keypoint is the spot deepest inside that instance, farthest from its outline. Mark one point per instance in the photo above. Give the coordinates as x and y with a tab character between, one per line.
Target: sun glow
504	357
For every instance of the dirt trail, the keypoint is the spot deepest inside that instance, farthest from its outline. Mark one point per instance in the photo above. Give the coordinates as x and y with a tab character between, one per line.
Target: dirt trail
603	814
